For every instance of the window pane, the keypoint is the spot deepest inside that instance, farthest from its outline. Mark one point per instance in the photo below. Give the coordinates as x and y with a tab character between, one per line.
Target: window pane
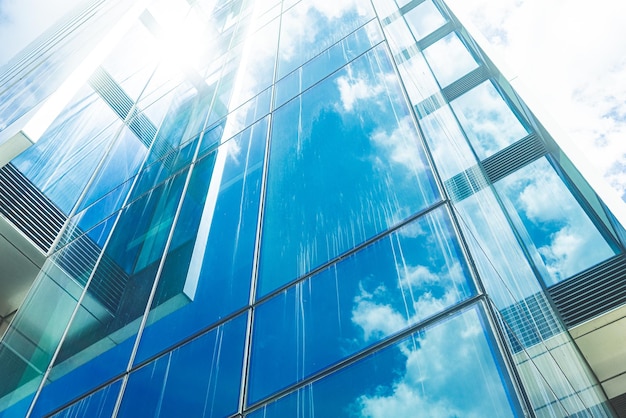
349	169
447	143
207	271
399	280
398	35
311	26
418	79
330	60
553	224
98	405
449	59
199	379
449	369
424	19
488	121
100	339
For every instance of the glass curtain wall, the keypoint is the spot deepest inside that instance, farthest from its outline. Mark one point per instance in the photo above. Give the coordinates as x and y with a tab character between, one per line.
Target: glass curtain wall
299	208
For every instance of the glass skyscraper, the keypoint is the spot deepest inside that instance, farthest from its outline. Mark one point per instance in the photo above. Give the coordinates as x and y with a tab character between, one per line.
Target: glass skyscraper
270	209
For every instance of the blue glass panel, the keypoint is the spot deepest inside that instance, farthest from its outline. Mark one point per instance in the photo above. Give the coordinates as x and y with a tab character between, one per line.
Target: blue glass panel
557	231
311	26
393	283
66	156
236	121
328	61
449	369
199	379
207	270
121	163
349	168
97	405
487	120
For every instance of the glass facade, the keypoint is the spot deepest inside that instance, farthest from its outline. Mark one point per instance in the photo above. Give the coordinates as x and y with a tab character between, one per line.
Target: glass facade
298	209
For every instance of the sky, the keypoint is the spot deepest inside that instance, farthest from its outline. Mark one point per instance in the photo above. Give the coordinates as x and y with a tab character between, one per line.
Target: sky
570	53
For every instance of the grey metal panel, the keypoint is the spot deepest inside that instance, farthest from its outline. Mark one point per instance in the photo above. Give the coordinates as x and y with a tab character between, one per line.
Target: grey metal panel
592	292
514	157
466	83
29	209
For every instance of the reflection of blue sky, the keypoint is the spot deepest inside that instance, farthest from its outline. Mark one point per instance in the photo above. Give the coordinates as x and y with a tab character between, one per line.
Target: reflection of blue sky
555	223
198	379
312	26
348	169
223	244
63	160
449	59
399	280
487	120
449	372
445	370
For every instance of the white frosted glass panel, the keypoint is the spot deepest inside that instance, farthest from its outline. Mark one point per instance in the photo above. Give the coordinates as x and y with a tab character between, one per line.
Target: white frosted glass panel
449	59
424	19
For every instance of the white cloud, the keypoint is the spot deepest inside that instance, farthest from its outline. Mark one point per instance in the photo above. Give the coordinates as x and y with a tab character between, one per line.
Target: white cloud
442	375
401	144
356	88
374	314
571	55
377	320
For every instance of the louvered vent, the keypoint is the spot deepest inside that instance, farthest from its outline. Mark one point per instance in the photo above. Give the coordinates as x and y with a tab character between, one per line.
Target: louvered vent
111	92
465	184
592	292
32	213
78	260
466	83
435	36
29	209
514	157
619	404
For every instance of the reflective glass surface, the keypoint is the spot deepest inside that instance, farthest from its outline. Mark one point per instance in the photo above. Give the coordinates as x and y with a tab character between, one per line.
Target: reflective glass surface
311	26
208	267
198	379
330	60
418	79
556	229
399	280
487	120
100	338
98	405
447	143
449	59
63	160
355	147
423	19
449	369
256	225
